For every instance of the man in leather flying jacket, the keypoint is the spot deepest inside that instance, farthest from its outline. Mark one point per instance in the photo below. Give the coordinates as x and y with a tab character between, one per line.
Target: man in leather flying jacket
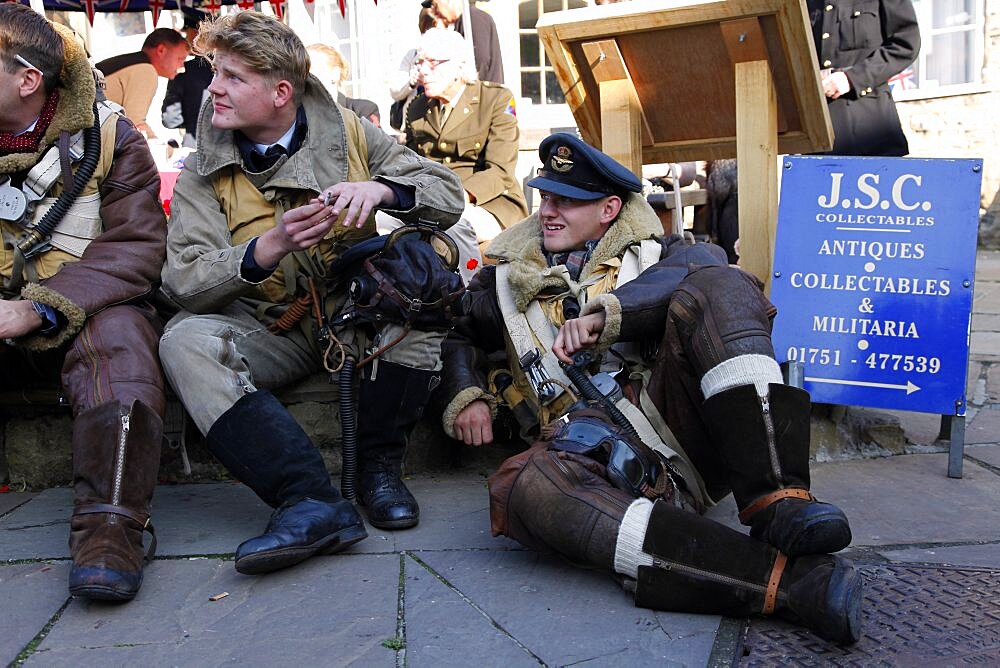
702	409
75	295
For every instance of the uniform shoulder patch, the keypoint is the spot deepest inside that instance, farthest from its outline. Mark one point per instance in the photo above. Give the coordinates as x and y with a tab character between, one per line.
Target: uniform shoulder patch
511	107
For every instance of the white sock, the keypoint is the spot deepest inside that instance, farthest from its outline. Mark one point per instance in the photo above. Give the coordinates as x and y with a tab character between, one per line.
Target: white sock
757	370
628	548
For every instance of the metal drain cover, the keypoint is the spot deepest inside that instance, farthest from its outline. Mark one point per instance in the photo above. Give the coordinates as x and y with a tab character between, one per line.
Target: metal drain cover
912	615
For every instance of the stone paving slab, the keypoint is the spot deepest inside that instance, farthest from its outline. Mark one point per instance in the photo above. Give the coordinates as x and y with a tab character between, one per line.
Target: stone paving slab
11	500
981	556
985	346
992	389
330	611
444	628
919	428
38	529
565	615
30	595
214	518
985	453
984	427
454	514
988	322
909	499
985	299
205	519
988	265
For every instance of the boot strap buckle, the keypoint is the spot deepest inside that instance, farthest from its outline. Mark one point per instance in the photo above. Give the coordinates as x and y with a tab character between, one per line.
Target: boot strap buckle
763	502
144	519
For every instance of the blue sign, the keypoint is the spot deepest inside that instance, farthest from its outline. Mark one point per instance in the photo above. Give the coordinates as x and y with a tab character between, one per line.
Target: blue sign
874	264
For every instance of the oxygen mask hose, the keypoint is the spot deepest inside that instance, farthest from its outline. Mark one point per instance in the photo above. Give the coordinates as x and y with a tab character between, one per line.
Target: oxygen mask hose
577	373
348	430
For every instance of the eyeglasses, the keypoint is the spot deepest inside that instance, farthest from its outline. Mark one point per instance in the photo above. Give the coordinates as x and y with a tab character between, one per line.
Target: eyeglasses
24	61
430	62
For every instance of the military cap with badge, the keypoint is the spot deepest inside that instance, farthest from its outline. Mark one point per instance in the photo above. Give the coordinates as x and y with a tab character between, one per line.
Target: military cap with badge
572	168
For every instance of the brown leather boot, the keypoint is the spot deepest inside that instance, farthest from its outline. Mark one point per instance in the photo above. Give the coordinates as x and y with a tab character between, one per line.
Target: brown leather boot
705	567
116	454
765	446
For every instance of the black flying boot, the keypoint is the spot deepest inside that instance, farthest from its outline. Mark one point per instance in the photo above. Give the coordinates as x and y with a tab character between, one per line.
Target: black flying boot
263	447
765	445
388	408
701	566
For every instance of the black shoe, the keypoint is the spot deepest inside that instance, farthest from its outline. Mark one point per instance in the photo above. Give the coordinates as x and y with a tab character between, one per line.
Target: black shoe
299	531
389	504
798	527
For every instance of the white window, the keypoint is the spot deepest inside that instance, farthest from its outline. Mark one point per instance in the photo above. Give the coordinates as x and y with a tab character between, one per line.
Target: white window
538	78
950	62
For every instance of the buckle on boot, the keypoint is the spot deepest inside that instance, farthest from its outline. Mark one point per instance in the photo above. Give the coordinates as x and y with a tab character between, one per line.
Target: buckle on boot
763	502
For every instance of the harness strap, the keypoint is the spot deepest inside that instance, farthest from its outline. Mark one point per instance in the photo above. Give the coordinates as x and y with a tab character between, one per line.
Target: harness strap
763	502
522	333
46	171
637	259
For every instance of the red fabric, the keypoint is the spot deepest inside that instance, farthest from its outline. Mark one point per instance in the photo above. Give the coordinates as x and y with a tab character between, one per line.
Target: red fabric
28	142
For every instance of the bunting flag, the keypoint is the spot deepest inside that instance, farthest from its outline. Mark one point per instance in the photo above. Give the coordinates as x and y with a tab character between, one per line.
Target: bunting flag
155	6
91	7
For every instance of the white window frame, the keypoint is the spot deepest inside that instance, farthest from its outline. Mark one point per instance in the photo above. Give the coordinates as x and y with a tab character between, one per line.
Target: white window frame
978	29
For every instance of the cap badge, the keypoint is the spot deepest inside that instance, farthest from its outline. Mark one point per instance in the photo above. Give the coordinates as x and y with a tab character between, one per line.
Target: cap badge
561	161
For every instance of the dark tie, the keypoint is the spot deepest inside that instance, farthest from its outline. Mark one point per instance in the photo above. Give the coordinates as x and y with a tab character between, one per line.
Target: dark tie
261	162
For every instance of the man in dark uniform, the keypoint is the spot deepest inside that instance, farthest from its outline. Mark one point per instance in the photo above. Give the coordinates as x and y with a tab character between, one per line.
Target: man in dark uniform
691	407
485	42
859	46
187	91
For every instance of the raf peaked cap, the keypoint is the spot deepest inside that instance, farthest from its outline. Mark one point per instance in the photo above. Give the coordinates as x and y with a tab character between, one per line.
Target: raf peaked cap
572	168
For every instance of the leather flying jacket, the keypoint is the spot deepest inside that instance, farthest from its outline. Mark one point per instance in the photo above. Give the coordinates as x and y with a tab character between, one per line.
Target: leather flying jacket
122	263
635	311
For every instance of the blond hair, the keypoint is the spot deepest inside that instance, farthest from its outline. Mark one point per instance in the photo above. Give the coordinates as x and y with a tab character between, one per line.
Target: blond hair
265	44
332	57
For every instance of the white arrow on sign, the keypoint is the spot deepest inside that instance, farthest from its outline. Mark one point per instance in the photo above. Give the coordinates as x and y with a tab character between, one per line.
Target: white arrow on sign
909	387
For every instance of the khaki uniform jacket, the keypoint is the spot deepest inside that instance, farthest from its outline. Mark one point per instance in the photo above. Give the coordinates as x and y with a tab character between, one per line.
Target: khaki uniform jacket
207	236
478	140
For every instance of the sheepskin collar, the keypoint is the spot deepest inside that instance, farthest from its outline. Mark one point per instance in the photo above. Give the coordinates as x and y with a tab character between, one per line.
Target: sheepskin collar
521	246
76	103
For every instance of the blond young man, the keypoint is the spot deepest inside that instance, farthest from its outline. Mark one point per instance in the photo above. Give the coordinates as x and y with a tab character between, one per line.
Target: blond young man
283	183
